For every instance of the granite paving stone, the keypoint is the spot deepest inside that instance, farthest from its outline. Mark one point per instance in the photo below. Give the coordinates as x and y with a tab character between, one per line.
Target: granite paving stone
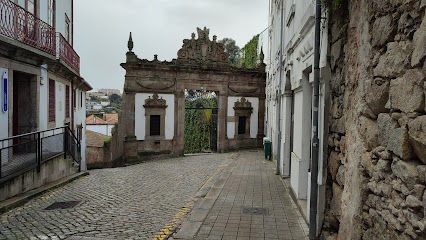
249	182
133	202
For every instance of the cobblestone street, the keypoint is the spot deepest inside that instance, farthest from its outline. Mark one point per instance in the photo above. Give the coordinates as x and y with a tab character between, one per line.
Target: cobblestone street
134	202
217	196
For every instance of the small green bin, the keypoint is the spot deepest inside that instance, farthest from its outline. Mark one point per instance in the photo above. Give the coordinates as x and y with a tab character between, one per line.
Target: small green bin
267	148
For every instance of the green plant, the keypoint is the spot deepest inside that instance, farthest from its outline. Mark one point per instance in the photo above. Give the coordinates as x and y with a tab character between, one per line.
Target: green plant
198	124
250	52
107	142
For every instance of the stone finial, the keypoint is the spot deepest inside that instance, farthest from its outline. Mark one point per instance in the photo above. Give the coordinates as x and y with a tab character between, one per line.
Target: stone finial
214	38
155	57
130	42
203	33
193	36
261	56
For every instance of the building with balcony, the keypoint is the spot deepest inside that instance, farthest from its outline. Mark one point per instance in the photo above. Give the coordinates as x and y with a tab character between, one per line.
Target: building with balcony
41	86
289	97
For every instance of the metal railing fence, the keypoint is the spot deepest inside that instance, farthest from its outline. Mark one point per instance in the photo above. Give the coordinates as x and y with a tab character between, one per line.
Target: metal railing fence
65	52
19	24
28	151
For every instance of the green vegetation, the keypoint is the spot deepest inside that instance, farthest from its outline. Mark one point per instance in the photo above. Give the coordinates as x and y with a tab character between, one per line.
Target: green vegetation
250	52
107	142
198	124
115	98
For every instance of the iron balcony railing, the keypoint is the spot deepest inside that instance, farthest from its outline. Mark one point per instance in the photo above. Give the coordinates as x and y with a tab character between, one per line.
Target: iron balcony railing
65	52
18	24
28	151
21	25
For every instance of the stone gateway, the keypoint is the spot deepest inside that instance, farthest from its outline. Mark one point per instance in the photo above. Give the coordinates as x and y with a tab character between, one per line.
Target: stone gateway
152	118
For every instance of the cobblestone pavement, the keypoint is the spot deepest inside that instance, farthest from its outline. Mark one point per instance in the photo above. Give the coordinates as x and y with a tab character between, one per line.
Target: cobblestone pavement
247	182
134	202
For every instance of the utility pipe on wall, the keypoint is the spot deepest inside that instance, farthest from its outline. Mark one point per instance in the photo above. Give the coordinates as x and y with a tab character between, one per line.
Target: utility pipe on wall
279	91
315	141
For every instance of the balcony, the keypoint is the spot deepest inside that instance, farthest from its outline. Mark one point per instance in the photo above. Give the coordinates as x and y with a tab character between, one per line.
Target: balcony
65	52
18	24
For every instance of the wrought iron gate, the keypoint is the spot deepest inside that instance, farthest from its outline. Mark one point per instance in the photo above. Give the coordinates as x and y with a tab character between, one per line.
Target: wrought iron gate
200	136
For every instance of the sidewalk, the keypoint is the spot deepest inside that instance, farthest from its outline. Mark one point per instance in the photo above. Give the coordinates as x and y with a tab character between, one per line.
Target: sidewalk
247	201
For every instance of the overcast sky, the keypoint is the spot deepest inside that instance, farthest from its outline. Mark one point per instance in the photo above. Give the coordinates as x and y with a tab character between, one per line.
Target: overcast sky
101	30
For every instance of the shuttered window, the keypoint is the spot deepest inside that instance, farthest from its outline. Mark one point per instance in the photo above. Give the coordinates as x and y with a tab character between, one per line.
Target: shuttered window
67	101
51	100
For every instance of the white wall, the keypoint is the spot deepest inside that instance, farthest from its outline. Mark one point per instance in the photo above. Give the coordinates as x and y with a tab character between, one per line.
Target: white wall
140	115
80	118
298	42
63	7
296	155
254	118
44	103
4	119
103	129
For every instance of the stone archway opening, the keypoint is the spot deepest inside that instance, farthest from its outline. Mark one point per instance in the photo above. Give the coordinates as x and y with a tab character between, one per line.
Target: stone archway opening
200	133
154	99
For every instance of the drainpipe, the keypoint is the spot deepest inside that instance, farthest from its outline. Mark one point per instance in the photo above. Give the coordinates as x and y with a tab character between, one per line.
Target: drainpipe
72	105
315	141
279	92
72	23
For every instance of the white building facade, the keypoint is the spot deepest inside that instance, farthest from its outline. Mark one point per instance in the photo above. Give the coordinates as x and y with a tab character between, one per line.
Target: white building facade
41	84
291	139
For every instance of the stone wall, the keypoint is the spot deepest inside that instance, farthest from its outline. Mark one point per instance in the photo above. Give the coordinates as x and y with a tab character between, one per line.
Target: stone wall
51	170
95	157
110	155
377	143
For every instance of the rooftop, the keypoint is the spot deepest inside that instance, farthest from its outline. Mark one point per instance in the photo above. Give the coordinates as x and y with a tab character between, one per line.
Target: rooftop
94	139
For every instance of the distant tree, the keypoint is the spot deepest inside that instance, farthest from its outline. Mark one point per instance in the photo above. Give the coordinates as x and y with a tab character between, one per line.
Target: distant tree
94	99
115	98
234	52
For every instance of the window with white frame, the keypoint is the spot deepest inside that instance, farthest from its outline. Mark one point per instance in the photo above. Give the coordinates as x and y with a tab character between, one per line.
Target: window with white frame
67	28
51	12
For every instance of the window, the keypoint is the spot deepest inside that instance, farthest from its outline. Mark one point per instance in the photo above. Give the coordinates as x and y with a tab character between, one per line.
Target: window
79	132
29	5
74	100
52	93
81	99
67	28
241	125
154	123
67	101
51	12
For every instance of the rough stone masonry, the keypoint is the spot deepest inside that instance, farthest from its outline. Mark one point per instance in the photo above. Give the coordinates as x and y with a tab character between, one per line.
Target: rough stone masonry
377	143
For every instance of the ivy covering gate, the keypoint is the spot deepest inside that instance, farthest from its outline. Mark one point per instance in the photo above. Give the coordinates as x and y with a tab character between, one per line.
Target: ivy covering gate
198	124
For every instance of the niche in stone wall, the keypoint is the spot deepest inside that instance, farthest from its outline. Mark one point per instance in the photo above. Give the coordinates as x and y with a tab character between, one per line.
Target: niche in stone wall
155	115
243	111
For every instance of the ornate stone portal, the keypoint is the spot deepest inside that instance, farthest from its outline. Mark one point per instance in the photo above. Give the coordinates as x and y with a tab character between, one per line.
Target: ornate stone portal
152	120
